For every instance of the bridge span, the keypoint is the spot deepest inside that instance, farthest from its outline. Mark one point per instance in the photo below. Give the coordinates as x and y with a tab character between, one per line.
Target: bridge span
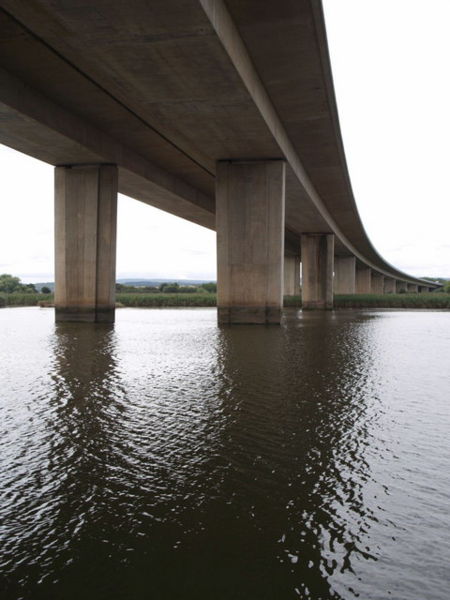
218	111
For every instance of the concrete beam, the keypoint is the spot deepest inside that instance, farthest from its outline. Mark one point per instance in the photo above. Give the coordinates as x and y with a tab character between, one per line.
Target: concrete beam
400	286
291	275
250	240
377	283
317	270
85	243
412	288
344	274
363	280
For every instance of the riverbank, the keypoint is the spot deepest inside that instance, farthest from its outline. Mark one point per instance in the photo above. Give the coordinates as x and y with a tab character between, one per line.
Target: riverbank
430	301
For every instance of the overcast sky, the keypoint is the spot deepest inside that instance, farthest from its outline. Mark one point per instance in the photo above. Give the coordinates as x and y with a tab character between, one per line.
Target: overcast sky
392	81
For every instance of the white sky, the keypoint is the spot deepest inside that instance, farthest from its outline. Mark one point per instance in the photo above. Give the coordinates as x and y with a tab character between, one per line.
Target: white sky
392	81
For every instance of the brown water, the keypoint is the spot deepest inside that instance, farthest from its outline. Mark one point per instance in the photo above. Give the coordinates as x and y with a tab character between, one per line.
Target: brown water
167	458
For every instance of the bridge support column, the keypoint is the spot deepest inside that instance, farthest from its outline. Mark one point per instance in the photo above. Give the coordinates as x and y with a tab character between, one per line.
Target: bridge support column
400	287
389	285
250	240
344	275
412	288
317	270
377	283
85	242
291	275
423	289
364	280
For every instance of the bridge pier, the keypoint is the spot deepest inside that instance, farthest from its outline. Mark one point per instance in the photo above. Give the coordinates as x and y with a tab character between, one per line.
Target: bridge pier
317	270
363	280
377	283
423	289
291	275
85	242
400	287
344	275
250	240
412	288
389	285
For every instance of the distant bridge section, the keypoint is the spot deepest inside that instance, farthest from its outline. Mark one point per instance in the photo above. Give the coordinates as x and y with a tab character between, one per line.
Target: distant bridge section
218	111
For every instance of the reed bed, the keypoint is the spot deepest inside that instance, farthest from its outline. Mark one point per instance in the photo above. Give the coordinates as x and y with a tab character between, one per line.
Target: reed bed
169	300
152	300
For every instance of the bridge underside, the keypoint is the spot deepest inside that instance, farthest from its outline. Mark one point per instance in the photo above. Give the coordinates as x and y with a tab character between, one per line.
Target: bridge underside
165	91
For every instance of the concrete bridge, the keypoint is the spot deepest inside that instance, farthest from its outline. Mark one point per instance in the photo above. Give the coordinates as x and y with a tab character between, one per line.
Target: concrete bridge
218	111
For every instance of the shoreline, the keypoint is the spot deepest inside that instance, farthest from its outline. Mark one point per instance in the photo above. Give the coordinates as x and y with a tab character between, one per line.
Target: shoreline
168	300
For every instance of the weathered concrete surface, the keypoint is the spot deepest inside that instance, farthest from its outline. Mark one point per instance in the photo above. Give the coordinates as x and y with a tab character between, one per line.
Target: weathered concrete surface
363	280
250	241
85	242
389	285
377	283
401	286
291	275
344	275
412	288
317	271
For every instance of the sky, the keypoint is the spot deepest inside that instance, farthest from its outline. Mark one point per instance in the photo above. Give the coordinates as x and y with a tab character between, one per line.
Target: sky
392	82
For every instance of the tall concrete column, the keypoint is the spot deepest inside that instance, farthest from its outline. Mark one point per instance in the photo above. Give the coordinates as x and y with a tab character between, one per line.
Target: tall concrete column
344	275
317	270
412	288
364	280
85	242
291	275
400	286
389	285
250	240
377	283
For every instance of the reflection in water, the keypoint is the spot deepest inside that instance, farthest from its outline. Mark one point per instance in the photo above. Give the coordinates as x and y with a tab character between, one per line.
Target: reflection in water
167	458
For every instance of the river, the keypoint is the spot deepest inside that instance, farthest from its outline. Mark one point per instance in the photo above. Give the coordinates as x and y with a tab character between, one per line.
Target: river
167	458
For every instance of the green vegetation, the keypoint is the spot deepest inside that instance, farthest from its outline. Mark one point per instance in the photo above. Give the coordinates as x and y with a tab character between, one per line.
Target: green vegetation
24	299
10	284
430	300
167	288
404	300
166	299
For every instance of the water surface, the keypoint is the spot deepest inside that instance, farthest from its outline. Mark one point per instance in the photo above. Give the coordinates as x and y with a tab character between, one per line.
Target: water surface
167	458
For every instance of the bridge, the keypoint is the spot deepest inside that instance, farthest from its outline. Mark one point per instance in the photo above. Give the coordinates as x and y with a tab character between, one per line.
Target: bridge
221	112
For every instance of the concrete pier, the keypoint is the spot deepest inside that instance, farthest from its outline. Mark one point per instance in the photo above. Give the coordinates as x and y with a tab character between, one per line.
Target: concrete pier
377	283
412	288
401	286
389	285
250	197
317	270
85	242
344	274
291	275
363	280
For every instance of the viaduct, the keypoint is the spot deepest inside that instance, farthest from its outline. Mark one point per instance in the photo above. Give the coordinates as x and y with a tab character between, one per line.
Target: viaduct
221	112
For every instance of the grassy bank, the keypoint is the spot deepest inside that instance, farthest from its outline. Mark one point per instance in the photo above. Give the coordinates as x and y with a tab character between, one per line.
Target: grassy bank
24	299
208	299
392	301
382	301
158	300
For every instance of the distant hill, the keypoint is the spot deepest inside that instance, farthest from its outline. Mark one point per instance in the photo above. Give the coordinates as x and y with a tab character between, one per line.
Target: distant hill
139	282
